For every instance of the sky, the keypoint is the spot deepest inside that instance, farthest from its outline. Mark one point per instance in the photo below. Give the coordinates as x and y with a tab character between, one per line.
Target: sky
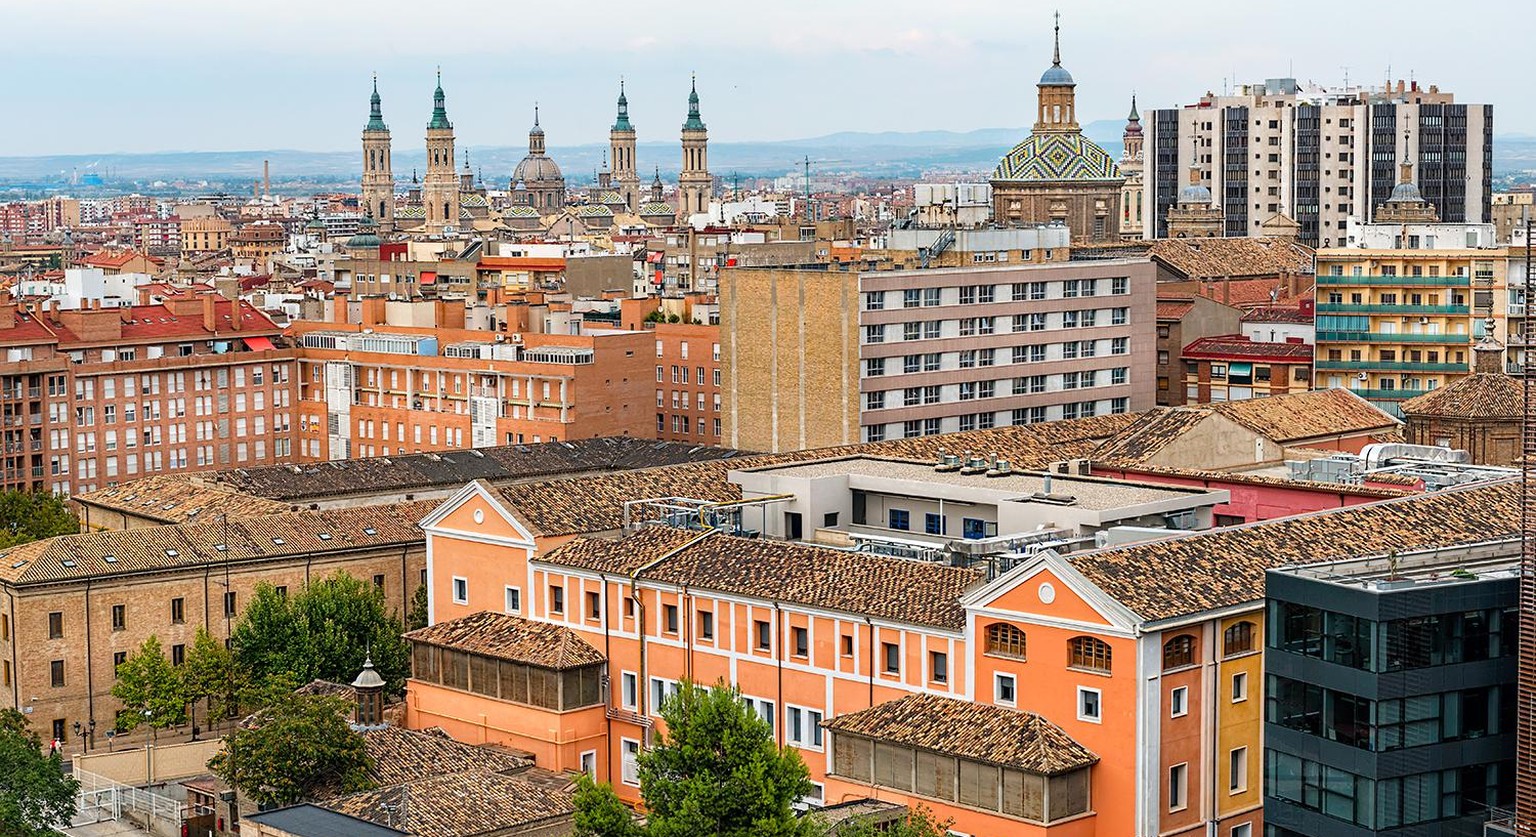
169	75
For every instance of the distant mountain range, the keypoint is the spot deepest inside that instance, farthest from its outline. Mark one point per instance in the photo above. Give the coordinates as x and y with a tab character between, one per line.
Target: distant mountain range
875	155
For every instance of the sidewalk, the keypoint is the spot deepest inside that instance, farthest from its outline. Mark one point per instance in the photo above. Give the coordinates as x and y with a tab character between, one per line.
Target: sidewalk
109	828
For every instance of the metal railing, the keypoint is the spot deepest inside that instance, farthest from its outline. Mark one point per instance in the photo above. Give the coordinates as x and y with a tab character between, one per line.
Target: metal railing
1386	308
99	799
1390	337
1391	366
1407	281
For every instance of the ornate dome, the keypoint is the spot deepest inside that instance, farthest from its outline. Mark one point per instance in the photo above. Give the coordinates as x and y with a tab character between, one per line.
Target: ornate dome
1057	76
537	168
1406	192
1057	156
1195	193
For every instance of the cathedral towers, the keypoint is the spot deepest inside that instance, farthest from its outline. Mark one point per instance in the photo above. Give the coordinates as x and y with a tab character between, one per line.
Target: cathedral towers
694	183
378	196
621	153
440	188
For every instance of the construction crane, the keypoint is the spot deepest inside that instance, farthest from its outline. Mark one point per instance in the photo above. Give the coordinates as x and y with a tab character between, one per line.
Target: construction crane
1525	739
809	215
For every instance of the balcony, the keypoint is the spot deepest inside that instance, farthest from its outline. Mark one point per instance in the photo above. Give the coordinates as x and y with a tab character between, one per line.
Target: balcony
1386	337
1403	310
1388	394
1389	366
1397	281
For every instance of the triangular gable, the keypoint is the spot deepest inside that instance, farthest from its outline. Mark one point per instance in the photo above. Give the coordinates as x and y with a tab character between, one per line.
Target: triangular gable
457	515
1072	599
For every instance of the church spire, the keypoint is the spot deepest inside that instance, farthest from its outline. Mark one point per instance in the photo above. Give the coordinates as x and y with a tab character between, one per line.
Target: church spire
375	109
694	123
1056	55
622	122
439	106
1135	116
536	134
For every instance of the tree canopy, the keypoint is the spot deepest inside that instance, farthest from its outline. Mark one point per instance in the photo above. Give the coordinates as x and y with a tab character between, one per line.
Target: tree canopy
150	689
323	632
716	771
35	795
298	748
30	516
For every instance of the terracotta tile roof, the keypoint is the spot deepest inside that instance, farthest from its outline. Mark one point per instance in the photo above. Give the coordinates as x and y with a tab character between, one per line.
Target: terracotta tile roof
246	540
970	730
402	755
1240	347
176	498
459	805
621	556
1278	314
1239	478
1216	258
512	638
912	592
1485	395
1308	415
1174	309
1225	567
1157	429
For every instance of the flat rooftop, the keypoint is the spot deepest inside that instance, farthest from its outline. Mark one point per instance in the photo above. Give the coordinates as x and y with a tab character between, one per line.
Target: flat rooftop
1097	494
1498	559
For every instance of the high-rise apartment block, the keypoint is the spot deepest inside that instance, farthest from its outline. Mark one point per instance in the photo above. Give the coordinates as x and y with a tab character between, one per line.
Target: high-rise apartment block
1318	156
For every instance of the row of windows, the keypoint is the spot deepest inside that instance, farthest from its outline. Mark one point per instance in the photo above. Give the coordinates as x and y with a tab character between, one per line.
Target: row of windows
980	358
1018	323
1389	803
982	294
1393	724
680	375
915	428
1396	645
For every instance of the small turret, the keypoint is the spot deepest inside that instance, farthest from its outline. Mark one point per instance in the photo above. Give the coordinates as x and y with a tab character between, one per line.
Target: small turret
370	697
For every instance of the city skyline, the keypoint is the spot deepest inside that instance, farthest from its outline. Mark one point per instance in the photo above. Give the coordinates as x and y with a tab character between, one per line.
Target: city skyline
797	71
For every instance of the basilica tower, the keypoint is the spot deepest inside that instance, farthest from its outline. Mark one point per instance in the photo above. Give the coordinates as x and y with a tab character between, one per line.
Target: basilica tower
621	153
440	188
378	194
694	183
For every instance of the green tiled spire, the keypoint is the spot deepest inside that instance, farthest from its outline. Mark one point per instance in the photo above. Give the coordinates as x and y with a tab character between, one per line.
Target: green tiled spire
375	112
694	123
622	123
439	111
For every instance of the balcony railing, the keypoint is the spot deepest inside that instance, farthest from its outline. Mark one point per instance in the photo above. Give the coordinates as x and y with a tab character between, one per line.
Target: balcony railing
1388	394
1390	337
1401	281
1389	366
1404	310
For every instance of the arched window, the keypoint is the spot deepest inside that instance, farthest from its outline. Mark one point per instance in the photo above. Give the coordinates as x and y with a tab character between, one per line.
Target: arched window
1089	653
1237	639
1005	641
1179	652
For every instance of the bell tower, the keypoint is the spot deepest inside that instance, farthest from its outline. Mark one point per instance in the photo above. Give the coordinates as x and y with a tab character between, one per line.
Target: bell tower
378	194
621	154
694	183
1057	94
440	188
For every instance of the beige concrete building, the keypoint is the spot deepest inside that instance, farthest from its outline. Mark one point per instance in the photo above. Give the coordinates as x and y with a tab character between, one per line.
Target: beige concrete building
821	356
204	235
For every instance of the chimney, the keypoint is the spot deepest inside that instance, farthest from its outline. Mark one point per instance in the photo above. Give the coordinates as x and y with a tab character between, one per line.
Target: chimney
266	178
210	320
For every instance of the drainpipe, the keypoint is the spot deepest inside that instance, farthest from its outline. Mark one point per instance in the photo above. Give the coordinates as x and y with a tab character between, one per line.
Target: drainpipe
634	585
1213	725
778	663
90	685
685	604
608	655
10	596
870	626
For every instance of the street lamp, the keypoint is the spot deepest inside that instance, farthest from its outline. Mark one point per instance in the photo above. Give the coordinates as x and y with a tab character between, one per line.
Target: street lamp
84	733
149	719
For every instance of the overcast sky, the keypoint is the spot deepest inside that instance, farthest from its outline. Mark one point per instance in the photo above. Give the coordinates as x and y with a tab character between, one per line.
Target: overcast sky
154	75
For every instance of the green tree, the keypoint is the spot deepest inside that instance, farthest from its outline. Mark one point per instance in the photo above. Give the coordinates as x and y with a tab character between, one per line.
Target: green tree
918	822
35	795
716	771
30	516
208	677
418	617
323	632
150	689
299	748
599	813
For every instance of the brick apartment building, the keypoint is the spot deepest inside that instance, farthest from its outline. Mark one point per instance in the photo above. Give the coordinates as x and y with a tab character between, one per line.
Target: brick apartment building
95	396
688	399
389	390
818	356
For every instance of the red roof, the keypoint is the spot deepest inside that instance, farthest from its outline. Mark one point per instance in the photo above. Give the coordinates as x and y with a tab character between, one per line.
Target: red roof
1278	314
1239	347
521	263
1174	309
107	258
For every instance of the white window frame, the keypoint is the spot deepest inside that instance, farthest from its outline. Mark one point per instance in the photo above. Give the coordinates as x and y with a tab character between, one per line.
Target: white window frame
1098	694
1237	782
1240	687
1183	786
460	585
661	689
1178	702
592	771
765	709
1244	829
997	689
801	733
510	596
629	690
629	763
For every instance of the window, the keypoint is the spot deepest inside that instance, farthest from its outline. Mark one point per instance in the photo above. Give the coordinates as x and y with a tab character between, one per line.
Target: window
1179	652
119	617
629	690
764	635
933	524
763	708
1237	767
460	590
847	645
1005	641
1178	702
556	599
594	606
178	654
117	662
892	654
802	639
1243	830
1240	687
56	625
629	762
803	727
938	666
56	673
178	610
669	618
1178	777
661	690
900	519
589	763
378	582
1004	689
230	604
1089	704
1088	653
514	600
1237	639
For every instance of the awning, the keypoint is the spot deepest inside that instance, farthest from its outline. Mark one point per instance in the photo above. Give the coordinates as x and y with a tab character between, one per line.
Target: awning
1240	369
259	344
428	277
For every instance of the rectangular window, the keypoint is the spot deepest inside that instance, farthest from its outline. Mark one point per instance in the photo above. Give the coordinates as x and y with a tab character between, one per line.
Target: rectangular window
178	611
1090	704
1237	766
178	654
1178	777
938	666
804	727
669	618
119	617
1178	702
1239	687
230	604
460	590
900	519
56	673
802	638
514	600
933	524
56	625
629	762
706	625
1004	689
764	635
892	653
556	599
594	606
629	690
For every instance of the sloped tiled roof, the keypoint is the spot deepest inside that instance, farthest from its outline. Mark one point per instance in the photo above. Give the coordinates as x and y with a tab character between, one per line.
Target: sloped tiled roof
402	755
1292	315
970	730
1237	345
459	805
1308	415
621	556
176	498
1215	258
1157	429
1485	395
511	638
1219	568
1174	309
